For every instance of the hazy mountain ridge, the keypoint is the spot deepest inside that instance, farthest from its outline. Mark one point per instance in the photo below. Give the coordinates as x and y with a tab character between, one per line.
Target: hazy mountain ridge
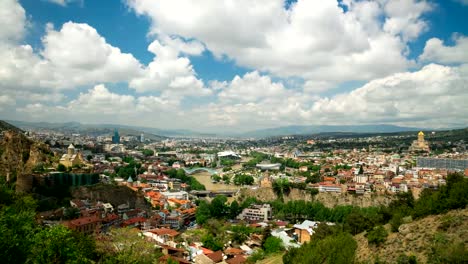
316	129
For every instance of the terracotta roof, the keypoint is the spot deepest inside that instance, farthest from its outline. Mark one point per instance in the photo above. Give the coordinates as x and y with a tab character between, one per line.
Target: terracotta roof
234	251
237	259
84	220
164	231
206	251
216	256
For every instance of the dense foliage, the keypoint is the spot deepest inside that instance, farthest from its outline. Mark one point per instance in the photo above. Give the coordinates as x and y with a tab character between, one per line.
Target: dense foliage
336	248
183	177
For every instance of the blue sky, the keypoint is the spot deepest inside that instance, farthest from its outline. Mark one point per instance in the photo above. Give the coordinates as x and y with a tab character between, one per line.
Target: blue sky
223	66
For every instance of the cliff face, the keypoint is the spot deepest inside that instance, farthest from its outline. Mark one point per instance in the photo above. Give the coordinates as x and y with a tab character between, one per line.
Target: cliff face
328	199
115	195
20	155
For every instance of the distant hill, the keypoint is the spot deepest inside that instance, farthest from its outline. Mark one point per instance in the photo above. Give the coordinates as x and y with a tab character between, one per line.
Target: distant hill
4	126
316	129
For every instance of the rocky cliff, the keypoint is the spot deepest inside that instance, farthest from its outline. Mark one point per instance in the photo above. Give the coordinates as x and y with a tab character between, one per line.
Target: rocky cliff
20	155
115	195
328	199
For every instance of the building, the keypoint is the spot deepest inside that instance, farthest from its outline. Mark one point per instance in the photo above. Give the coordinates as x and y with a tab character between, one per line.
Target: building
419	145
269	166
86	225
116	137
72	157
256	212
449	164
228	155
266	182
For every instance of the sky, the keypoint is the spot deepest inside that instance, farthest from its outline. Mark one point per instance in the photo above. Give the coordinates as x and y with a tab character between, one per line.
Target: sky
235	66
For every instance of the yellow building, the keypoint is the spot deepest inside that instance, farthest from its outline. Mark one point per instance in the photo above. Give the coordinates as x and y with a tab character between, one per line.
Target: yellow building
72	157
420	144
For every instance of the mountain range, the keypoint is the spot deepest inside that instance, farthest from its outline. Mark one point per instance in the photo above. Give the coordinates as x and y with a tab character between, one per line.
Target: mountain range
77	127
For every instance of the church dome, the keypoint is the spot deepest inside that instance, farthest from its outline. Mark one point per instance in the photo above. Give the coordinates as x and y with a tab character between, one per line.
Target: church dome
420	133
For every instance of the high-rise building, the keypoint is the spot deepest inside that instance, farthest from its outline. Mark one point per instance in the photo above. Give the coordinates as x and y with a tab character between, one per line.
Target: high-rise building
142	138
116	137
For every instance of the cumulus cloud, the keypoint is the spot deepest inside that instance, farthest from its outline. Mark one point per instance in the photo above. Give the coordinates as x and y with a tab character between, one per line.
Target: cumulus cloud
436	51
169	72
431	97
315	40
99	104
13	21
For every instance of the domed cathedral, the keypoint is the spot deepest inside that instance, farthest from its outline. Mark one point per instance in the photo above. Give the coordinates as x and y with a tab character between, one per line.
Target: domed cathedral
420	145
72	157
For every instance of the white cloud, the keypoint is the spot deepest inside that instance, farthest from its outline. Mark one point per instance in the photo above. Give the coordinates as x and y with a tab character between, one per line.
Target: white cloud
431	97
12	21
436	51
315	40
65	2
251	88
404	17
74	56
100	104
170	73
78	55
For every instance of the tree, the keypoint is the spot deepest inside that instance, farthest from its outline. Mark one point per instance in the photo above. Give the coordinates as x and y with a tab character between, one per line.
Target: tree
148	152
226	179
209	241
339	248
61	167
218	207
203	212
234	210
59	244
377	236
272	245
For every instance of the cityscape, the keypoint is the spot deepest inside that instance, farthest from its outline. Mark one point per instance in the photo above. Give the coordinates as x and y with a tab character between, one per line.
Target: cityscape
269	132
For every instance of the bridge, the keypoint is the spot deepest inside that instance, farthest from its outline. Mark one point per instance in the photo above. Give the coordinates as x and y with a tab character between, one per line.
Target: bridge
213	193
199	169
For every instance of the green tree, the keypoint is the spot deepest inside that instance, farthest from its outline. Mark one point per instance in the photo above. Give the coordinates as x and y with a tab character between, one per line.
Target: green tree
61	167
148	152
377	236
273	245
203	212
61	245
126	245
234	210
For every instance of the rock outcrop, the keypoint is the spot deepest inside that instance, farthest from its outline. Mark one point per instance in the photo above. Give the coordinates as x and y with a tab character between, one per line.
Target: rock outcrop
20	155
328	199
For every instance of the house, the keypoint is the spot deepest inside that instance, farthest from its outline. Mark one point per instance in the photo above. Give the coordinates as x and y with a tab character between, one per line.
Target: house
256	213
162	235
86	225
305	230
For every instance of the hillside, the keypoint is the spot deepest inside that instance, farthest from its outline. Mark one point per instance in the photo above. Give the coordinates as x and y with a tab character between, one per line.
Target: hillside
20	155
4	126
428	239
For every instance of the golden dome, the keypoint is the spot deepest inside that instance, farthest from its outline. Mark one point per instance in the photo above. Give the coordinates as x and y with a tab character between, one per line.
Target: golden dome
420	133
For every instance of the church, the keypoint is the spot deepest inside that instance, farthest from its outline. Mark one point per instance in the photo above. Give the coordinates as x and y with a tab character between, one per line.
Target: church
419	145
72	157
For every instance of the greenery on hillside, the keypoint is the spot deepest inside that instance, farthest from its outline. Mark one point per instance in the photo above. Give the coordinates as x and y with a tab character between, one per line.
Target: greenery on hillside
182	176
352	220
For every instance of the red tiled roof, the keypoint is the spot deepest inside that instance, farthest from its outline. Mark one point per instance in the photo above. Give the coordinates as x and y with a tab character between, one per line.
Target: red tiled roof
84	220
216	256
